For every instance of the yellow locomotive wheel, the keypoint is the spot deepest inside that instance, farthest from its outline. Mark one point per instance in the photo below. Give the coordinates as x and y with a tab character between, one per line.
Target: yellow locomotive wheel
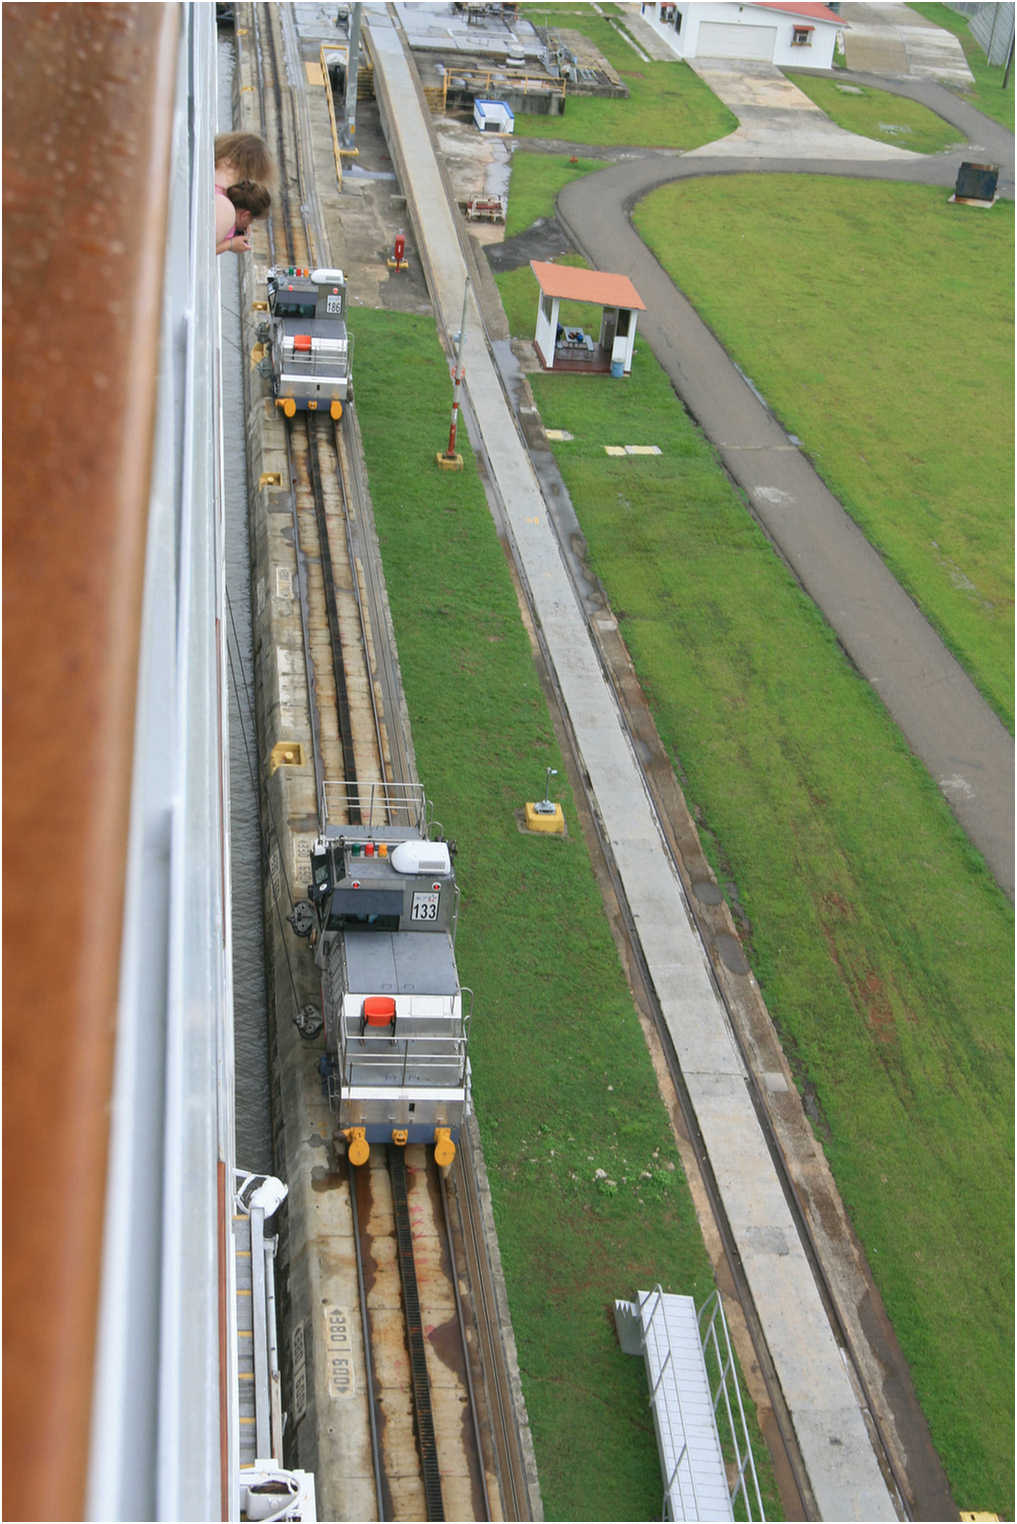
336	409
287	404
359	1150
444	1148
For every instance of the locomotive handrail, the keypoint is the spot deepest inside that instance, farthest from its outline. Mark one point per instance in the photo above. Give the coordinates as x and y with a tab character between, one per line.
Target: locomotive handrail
380	804
376	1051
363	1068
318	362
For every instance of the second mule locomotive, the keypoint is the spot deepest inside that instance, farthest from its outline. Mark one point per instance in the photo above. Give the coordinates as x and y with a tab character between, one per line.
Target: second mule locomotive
310	349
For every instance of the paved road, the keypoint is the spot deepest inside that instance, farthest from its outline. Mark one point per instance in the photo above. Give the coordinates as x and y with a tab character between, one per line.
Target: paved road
939	711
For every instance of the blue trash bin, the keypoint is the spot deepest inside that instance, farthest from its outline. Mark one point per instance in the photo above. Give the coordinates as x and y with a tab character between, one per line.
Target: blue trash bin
617	367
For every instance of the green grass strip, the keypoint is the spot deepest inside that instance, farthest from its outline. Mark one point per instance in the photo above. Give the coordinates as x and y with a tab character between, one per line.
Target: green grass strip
883	947
668	105
877	321
536	180
589	1196
878	114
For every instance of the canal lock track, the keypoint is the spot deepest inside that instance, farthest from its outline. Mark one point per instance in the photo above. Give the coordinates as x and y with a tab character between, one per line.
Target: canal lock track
329	705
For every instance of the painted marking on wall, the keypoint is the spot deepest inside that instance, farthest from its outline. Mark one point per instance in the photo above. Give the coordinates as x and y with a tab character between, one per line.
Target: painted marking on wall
341	1377
302	860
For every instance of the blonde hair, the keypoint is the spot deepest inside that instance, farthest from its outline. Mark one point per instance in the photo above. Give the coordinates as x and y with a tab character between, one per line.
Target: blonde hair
246	153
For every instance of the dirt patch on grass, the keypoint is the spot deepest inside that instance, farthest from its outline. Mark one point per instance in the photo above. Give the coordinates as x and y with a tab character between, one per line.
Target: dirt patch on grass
868	989
879	1015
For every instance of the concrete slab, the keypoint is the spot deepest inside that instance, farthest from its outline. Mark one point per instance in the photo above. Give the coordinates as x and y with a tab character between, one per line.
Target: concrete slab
777	120
896	40
436	28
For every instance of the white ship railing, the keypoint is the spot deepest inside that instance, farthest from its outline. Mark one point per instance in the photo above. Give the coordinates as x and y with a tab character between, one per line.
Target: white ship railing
157	1448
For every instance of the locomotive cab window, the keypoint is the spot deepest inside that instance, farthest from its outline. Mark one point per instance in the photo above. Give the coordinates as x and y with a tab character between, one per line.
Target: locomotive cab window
365	910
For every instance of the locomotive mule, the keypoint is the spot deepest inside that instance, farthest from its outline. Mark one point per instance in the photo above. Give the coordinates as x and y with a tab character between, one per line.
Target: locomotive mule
310	349
385	905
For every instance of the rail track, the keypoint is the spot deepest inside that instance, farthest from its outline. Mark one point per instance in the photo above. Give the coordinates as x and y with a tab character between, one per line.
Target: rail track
444	1432
419	1330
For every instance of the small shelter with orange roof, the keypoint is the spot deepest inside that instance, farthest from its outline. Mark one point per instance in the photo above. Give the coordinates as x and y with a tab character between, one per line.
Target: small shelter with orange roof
563	348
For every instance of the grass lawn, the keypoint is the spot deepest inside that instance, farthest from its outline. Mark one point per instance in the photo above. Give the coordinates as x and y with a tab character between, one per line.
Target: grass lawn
668	105
882	946
563	1083
878	114
987	93
536	180
891	359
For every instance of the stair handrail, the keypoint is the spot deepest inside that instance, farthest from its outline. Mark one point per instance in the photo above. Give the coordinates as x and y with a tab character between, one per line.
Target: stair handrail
744	1459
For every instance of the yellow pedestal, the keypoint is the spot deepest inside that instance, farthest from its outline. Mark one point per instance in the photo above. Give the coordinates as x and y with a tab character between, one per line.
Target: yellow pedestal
552	822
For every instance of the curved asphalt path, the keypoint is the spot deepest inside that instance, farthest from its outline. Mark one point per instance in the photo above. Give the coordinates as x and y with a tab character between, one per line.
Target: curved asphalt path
942	716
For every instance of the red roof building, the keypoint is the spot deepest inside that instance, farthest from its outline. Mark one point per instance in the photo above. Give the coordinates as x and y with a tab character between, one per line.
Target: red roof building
786	35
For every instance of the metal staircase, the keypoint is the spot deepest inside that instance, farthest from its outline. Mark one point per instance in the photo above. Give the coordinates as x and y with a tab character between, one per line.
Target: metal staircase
667	1331
266	1489
245	1339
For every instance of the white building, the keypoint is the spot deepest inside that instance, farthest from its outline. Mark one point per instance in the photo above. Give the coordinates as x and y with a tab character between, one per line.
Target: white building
789	36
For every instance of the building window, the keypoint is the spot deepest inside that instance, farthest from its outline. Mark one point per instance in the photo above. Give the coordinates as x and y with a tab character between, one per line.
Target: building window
801	37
